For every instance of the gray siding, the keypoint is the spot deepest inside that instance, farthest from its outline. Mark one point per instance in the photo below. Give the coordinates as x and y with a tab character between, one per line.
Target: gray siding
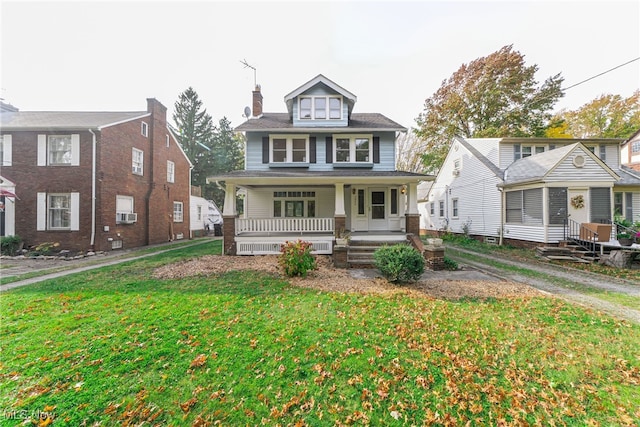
591	171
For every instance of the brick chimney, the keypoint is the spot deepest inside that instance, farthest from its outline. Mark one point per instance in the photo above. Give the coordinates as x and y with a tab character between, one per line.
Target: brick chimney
257	102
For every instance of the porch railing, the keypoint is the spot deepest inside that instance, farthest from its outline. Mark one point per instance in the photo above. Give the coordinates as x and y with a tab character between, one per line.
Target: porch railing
284	225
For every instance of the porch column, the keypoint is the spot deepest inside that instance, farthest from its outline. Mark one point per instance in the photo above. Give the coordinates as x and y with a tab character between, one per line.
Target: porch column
229	215
412	215
339	214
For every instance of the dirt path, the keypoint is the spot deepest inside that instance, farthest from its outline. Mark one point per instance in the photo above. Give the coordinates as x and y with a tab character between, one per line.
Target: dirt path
549	278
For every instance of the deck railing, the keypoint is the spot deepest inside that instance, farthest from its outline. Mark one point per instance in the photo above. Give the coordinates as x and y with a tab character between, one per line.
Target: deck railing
284	225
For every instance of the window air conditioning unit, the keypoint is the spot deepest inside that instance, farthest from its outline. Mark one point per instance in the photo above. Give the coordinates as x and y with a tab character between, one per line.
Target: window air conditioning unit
126	217
456	172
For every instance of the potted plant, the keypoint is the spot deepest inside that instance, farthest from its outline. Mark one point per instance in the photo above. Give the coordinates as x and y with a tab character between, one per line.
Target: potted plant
343	238
625	239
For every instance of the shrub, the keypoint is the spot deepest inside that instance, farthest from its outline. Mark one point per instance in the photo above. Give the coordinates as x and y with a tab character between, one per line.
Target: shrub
399	263
45	248
450	264
9	245
296	259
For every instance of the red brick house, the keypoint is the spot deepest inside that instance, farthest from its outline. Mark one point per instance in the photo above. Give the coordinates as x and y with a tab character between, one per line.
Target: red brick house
93	180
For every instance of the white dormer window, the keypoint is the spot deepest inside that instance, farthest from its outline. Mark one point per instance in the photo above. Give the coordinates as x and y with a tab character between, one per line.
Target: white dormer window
353	148
289	149
320	108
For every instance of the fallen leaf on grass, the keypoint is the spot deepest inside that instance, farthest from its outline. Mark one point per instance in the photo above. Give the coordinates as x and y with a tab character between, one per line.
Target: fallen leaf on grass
199	361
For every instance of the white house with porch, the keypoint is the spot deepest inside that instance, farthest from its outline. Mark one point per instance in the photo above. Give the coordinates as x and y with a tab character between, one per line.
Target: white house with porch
317	172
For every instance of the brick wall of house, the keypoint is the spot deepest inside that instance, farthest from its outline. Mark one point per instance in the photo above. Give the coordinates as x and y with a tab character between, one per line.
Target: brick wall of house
31	179
153	195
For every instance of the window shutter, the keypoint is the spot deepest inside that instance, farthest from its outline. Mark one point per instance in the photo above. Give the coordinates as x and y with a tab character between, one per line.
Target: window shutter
75	149
516	152
265	149
376	149
6	150
42	150
41	212
75	211
329	149
312	149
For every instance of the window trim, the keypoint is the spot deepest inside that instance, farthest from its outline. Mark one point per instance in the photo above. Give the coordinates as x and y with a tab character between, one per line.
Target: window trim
49	208
307	198
327	111
441	208
178	215
171	171
455	206
135	165
289	148
144	129
352	148
635	147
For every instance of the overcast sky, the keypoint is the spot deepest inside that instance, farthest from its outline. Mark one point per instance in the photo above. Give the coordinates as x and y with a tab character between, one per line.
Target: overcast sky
111	56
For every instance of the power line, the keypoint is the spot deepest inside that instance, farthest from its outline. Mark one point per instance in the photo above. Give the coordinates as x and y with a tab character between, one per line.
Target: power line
602	73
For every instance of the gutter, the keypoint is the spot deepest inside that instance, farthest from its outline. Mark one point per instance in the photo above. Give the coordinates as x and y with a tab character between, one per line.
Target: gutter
93	190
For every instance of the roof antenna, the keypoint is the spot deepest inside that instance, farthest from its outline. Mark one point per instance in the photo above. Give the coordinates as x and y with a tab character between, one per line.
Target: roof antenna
246	65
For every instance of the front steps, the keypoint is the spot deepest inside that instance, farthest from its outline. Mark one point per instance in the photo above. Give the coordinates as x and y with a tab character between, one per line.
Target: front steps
360	251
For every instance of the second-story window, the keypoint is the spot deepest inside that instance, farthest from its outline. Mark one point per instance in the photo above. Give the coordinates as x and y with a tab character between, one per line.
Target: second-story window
353	149
320	108
289	149
171	171
59	149
137	161
144	129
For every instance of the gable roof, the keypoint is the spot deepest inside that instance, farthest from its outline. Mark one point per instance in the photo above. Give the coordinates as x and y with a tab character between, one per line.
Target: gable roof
281	122
317	80
537	167
481	157
67	120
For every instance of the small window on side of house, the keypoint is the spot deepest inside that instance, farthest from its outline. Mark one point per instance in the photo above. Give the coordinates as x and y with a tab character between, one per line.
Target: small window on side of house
454	207
178	212
144	129
432	208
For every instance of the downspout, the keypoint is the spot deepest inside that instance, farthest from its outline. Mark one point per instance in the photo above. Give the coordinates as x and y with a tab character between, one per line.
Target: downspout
93	190
502	204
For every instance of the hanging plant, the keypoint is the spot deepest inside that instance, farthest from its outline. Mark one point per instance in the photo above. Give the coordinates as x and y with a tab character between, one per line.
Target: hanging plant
577	202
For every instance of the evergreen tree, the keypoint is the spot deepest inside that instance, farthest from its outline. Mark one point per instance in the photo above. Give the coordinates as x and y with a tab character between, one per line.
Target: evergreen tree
227	155
196	133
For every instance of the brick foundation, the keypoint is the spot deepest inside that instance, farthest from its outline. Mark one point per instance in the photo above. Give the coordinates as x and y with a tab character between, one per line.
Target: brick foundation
340	224
413	224
340	257
434	257
229	234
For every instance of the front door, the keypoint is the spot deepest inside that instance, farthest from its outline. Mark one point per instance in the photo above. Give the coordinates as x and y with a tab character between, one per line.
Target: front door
578	204
378	209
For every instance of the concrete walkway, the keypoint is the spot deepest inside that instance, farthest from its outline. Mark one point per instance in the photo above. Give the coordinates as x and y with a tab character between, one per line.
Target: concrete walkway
60	267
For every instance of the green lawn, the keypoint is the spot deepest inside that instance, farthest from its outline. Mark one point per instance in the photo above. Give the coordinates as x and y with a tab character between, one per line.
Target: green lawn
117	346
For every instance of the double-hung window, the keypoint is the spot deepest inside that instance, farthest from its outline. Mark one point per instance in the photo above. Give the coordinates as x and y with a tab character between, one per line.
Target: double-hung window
320	108
635	147
171	171
59	150
522	151
289	148
137	161
5	150
58	211
353	148
178	212
294	204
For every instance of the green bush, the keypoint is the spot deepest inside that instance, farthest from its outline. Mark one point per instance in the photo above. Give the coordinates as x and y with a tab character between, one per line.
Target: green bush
296	259
450	264
399	263
9	245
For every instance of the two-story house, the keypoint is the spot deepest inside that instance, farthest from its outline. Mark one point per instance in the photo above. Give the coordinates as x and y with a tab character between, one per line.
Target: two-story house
317	172
93	180
630	151
529	190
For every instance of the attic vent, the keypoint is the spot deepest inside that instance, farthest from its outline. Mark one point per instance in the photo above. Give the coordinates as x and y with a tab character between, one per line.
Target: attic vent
578	161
